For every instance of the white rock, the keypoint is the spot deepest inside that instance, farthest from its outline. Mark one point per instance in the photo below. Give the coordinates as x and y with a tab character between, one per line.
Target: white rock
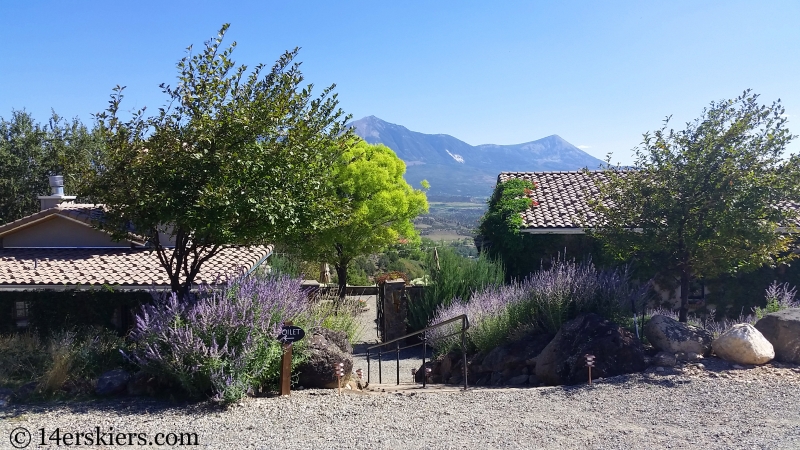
744	344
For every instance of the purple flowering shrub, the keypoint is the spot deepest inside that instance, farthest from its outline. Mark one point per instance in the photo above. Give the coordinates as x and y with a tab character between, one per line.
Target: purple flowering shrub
541	302
223	343
779	297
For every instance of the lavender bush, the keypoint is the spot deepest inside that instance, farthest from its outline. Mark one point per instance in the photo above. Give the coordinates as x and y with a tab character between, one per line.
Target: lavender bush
779	297
224	342
542	302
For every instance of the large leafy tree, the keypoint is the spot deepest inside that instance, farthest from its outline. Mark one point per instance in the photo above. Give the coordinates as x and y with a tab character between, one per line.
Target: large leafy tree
233	158
31	151
379	208
707	200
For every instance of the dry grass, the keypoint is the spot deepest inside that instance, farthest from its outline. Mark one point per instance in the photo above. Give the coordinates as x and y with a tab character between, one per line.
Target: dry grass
62	356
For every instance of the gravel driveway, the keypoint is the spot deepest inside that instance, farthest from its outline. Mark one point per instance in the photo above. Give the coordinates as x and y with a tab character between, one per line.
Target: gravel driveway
711	407
644	411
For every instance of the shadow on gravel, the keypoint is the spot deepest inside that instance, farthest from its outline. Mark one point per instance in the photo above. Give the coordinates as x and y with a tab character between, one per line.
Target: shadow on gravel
122	406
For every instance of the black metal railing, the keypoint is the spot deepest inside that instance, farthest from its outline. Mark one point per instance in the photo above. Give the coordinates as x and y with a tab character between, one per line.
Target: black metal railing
464	327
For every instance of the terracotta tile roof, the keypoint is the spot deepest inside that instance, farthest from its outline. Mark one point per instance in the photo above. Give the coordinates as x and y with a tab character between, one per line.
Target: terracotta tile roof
562	204
44	267
86	213
561	198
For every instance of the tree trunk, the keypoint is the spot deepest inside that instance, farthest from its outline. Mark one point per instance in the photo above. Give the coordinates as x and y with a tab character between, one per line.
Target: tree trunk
341	273
684	311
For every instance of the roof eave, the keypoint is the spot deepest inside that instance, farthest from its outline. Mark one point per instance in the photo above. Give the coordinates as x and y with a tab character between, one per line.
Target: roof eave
564	230
81	287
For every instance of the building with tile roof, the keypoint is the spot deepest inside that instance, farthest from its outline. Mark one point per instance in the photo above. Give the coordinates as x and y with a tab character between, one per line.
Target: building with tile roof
560	209
560	203
61	248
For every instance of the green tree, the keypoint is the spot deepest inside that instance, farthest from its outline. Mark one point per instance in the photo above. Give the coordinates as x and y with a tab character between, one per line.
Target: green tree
30	152
234	158
706	200
380	205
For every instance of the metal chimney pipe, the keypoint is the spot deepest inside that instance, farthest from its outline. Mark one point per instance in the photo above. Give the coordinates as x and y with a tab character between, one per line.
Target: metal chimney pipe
57	193
56	184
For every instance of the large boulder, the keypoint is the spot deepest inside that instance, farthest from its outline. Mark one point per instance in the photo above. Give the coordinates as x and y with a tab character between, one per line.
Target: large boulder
668	335
325	349
112	382
503	365
743	344
508	361
616	350
782	330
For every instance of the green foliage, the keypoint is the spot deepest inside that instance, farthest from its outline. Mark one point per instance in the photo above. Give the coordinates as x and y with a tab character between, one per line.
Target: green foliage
338	316
30	152
379	207
733	295
284	264
465	247
704	201
356	276
234	158
453	277
500	225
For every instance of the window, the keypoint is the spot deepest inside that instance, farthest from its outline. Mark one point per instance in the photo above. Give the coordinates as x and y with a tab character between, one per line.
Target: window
21	314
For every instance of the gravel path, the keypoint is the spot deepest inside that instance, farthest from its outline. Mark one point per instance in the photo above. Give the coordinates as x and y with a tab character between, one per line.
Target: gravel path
696	408
643	411
409	358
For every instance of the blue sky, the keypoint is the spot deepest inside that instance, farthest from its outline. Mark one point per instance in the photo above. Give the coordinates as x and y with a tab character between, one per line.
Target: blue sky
598	74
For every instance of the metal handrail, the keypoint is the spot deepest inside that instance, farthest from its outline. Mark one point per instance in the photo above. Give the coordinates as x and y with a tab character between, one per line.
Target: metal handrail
464	327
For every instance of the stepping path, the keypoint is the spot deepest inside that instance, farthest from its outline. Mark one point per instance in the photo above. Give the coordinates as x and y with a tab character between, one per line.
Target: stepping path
368	335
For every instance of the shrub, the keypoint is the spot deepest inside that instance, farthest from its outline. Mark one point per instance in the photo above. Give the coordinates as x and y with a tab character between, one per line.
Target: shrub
333	314
542	302
66	360
779	297
224	342
23	358
453	277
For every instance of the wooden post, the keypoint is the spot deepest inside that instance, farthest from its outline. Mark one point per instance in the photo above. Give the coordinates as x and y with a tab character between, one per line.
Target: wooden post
286	367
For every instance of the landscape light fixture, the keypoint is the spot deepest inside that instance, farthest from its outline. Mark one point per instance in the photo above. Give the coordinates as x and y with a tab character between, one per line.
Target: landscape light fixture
589	365
338	370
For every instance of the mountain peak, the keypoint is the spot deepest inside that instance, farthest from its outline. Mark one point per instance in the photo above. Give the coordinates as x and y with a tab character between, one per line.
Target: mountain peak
454	167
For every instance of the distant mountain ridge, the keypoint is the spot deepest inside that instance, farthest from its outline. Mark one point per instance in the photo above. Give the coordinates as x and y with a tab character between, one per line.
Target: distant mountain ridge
455	168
